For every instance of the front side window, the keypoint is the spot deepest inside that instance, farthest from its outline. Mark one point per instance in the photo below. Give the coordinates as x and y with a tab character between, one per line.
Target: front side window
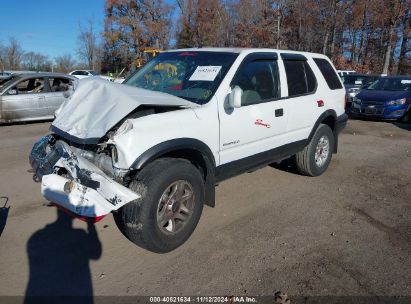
300	77
30	86
191	75
259	80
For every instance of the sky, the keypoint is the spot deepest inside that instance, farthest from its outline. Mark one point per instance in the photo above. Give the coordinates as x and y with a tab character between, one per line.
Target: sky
49	27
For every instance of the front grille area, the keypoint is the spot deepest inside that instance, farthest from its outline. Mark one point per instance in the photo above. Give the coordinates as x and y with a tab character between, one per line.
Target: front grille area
372	103
373	111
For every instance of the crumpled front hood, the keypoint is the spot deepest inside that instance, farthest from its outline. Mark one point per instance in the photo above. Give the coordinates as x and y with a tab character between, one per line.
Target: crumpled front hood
97	105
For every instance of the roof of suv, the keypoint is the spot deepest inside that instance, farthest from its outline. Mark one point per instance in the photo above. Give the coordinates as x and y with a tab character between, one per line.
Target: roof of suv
244	50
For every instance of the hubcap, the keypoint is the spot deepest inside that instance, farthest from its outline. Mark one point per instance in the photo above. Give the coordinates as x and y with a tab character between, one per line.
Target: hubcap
175	207
322	150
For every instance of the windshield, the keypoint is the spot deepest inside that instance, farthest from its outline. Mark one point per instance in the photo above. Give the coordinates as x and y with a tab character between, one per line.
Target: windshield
358	79
194	76
391	84
93	73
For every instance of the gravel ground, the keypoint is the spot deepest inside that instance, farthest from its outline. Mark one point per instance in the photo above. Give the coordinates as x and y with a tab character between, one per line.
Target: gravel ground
347	232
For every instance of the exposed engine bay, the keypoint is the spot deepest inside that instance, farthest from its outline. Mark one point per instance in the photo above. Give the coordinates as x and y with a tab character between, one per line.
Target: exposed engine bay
76	164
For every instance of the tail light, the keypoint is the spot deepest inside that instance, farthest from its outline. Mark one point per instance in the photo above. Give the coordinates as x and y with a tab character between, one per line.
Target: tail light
345	102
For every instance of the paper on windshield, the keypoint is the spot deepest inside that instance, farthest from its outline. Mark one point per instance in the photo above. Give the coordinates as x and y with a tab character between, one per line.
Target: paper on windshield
205	73
406	81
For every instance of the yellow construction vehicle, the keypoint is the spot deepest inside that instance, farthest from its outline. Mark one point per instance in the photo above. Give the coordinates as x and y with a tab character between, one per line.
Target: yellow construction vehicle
148	54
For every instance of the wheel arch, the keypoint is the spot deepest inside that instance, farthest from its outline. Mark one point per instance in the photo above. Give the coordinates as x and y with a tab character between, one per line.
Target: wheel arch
328	118
193	150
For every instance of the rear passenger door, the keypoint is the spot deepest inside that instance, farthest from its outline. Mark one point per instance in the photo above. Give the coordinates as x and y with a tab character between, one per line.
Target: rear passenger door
260	123
305	107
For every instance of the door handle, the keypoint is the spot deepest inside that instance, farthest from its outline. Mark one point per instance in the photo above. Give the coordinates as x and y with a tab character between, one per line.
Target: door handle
279	112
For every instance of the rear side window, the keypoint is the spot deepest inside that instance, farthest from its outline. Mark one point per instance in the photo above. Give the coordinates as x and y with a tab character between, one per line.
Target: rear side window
329	74
59	84
300	77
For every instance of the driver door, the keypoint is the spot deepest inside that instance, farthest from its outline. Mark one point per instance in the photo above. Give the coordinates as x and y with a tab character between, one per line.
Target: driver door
25	100
260	123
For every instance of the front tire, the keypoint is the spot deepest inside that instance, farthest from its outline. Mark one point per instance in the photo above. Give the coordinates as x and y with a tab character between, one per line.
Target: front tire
171	203
316	156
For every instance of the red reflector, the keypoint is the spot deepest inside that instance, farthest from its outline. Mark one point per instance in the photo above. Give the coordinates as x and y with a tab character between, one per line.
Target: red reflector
345	102
320	103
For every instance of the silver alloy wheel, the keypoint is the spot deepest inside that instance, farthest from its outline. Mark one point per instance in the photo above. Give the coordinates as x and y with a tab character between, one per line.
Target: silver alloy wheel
175	207
322	150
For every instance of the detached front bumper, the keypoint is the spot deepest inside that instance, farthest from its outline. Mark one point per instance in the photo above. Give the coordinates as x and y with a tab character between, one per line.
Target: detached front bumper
74	183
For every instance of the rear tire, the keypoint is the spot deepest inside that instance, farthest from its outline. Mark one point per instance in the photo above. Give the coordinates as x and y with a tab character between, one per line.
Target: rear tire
171	203
316	156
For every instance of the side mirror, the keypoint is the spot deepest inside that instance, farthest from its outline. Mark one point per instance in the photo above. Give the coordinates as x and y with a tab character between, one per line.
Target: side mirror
235	97
12	92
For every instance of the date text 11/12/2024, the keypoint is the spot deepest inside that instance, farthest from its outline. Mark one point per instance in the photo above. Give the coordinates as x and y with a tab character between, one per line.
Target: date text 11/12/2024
203	299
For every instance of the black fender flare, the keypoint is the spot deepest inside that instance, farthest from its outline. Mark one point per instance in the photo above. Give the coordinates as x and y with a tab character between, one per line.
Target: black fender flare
324	116
178	144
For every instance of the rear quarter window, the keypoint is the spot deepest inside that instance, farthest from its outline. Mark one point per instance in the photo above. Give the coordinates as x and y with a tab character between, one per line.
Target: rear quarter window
329	74
300	77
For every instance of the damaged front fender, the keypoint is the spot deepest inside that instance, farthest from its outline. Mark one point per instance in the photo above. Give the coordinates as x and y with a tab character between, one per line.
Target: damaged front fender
73	182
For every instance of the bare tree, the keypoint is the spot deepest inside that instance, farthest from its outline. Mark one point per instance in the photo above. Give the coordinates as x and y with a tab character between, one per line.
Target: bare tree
133	25
368	36
14	54
35	61
396	10
65	63
2	57
405	44
87	45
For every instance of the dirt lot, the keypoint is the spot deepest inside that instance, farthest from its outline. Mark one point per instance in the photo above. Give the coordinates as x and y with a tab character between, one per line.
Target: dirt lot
347	232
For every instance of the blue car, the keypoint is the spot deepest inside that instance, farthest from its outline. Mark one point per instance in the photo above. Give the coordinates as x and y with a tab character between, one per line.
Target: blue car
387	98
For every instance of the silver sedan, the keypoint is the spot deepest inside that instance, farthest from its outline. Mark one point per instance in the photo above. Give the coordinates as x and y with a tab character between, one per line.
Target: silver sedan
34	96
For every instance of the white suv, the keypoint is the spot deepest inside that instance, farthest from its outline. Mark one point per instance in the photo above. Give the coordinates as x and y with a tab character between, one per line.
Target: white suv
152	151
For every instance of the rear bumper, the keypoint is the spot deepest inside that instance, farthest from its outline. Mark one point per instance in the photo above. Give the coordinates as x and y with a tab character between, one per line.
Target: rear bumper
74	183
